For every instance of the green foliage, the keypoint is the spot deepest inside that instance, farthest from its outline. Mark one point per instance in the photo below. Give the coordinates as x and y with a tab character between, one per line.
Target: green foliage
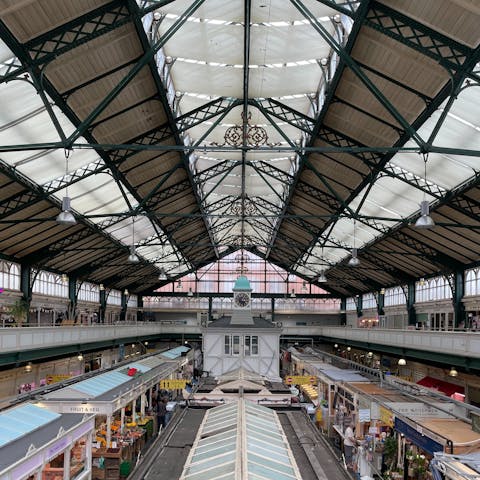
19	310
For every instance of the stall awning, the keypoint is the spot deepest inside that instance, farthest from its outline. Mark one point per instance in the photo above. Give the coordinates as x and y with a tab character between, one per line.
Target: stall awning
22	420
175	352
445	387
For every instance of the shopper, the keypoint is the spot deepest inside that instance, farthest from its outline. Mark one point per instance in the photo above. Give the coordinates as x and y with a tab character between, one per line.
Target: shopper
161	412
349	443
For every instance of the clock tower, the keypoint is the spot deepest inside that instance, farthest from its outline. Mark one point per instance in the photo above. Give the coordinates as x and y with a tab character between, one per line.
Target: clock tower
242	302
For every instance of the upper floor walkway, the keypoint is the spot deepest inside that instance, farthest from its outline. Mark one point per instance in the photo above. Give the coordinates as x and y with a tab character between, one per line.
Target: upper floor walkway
29	343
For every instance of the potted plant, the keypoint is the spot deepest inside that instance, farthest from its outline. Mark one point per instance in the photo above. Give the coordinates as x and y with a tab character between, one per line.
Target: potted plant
19	311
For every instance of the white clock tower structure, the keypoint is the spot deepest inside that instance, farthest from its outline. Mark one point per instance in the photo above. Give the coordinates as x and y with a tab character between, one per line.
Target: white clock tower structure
242	341
242	302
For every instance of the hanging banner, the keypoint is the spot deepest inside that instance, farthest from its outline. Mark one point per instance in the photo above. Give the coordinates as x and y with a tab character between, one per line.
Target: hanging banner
386	416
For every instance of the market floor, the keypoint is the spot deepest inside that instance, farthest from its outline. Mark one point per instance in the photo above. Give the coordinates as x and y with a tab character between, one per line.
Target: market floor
315	458
172	457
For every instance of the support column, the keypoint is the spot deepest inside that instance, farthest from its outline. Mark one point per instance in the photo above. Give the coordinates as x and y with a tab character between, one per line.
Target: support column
412	314
210	308
109	431
343	310
272	301
381	303
140	317
72	299
123	311
458	306
26	288
359	305
103	306
122	419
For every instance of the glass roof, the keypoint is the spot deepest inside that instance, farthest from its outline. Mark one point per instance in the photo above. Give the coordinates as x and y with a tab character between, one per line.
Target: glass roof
19	421
218	451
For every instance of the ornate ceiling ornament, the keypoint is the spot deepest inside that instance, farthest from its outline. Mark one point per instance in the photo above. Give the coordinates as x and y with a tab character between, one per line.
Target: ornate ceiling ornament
255	135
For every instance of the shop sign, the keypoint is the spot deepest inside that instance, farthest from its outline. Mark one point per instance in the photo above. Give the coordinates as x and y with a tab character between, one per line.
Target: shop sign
83	408
386	417
56	378
58	447
420	410
172	384
300	380
364	415
420	438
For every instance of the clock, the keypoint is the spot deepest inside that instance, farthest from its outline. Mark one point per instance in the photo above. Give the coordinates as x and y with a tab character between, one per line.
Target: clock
242	299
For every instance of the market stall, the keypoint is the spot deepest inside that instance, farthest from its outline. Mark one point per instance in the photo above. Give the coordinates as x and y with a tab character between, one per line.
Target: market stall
38	444
457	467
121	401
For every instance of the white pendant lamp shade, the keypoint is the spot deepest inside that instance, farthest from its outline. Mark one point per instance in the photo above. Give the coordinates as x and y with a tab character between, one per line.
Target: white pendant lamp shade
402	362
453	372
133	257
162	275
424	221
322	278
354	261
65	217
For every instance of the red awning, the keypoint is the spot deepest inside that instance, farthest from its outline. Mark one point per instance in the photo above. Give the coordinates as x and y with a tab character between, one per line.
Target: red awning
446	388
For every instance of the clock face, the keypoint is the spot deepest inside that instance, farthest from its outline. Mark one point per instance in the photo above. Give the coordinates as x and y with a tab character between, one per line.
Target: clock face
242	299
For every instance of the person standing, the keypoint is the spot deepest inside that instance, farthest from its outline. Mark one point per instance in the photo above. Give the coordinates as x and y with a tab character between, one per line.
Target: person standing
161	412
349	443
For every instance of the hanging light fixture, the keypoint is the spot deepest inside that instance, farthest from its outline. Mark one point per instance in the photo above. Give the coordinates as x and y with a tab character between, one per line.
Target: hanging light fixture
79	357
65	217
28	367
321	277
125	292
101	287
292	294
452	372
190	292
425	221
179	284
162	275
133	257
402	362
354	260
64	278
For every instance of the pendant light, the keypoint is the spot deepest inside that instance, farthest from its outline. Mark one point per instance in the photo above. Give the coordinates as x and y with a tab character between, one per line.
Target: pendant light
453	372
425	221
292	295
190	292
65	217
402	362
133	257
354	260
162	275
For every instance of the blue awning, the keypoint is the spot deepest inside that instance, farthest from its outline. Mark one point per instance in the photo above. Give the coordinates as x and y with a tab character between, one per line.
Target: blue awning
22	420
